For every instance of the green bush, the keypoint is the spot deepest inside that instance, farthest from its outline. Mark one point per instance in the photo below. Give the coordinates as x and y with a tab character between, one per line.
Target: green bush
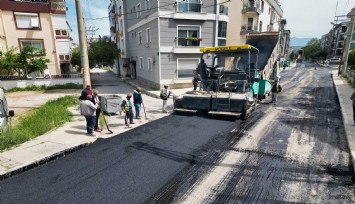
351	60
51	115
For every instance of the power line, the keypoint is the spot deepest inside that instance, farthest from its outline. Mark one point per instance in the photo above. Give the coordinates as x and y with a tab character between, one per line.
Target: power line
106	17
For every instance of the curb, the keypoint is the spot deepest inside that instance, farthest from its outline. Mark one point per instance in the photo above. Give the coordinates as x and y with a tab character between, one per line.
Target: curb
42	161
352	155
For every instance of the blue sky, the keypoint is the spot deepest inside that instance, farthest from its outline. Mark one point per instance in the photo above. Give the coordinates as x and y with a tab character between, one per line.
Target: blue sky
305	18
91	9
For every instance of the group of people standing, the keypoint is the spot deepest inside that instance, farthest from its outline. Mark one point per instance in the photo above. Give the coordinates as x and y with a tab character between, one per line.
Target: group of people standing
90	106
90	109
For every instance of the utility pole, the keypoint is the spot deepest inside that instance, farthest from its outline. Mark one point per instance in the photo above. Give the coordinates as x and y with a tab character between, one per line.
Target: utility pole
83	44
91	31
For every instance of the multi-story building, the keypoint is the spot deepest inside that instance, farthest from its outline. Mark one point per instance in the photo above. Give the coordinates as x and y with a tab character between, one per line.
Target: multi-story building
162	39
41	24
260	16
334	42
350	40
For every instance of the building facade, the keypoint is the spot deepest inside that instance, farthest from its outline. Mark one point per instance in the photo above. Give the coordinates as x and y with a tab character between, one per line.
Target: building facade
260	16
163	38
334	42
41	24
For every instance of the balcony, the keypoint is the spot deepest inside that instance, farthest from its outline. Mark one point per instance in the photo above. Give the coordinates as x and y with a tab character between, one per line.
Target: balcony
251	7
58	6
249	28
188	7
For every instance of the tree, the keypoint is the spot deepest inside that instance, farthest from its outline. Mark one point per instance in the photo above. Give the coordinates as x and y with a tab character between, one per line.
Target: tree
312	47
292	55
32	59
10	60
351	60
75	58
102	51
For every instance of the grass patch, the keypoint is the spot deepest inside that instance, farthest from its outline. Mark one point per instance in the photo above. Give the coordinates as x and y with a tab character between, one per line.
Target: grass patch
51	115
45	87
352	84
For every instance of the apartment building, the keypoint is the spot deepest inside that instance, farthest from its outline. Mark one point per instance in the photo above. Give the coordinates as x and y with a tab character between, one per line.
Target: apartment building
41	24
260	16
162	39
334	41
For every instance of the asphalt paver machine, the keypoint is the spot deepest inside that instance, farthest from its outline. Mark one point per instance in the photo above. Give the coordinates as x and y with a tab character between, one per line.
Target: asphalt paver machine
230	82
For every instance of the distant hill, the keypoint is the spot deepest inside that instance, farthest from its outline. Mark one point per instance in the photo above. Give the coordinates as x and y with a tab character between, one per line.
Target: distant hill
299	41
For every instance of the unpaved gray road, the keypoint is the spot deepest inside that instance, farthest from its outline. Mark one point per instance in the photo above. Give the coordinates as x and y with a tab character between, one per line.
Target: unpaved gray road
293	152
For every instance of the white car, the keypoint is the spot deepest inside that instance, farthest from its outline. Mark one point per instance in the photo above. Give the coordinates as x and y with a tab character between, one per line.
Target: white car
333	60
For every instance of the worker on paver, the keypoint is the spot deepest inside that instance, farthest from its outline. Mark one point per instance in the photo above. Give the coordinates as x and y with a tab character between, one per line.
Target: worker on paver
195	80
164	95
85	92
96	101
137	101
276	88
353	99
126	107
88	109
204	74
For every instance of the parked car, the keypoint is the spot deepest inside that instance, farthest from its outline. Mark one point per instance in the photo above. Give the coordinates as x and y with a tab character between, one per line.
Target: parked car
333	60
5	113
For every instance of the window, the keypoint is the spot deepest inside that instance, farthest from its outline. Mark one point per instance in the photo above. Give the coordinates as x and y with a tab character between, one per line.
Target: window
189	36
147	4
33	43
353	38
141	63
222	33
352	46
132	35
260	26
27	20
140	37
262	6
222	29
148	35
139	10
150	65
188	5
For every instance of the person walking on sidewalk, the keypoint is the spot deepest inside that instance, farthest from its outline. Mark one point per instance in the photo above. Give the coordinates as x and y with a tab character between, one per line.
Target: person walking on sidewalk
126	107
164	95
137	101
85	92
276	88
96	101
88	109
353	99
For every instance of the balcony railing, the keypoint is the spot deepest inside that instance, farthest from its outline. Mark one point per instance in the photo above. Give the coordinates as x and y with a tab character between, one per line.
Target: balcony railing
188	7
189	41
251	7
58	6
248	28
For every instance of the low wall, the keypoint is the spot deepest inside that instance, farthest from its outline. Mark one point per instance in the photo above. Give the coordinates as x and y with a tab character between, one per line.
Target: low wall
38	82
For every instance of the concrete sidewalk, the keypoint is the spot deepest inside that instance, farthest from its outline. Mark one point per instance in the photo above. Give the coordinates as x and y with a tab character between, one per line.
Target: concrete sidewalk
72	135
344	91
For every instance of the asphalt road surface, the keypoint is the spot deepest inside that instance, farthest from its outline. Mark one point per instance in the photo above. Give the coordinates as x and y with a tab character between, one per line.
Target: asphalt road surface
293	152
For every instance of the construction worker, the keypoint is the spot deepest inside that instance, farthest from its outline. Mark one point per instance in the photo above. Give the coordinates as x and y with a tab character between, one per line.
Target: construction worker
164	95
195	80
85	92
276	88
137	101
126	107
204	74
88	110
